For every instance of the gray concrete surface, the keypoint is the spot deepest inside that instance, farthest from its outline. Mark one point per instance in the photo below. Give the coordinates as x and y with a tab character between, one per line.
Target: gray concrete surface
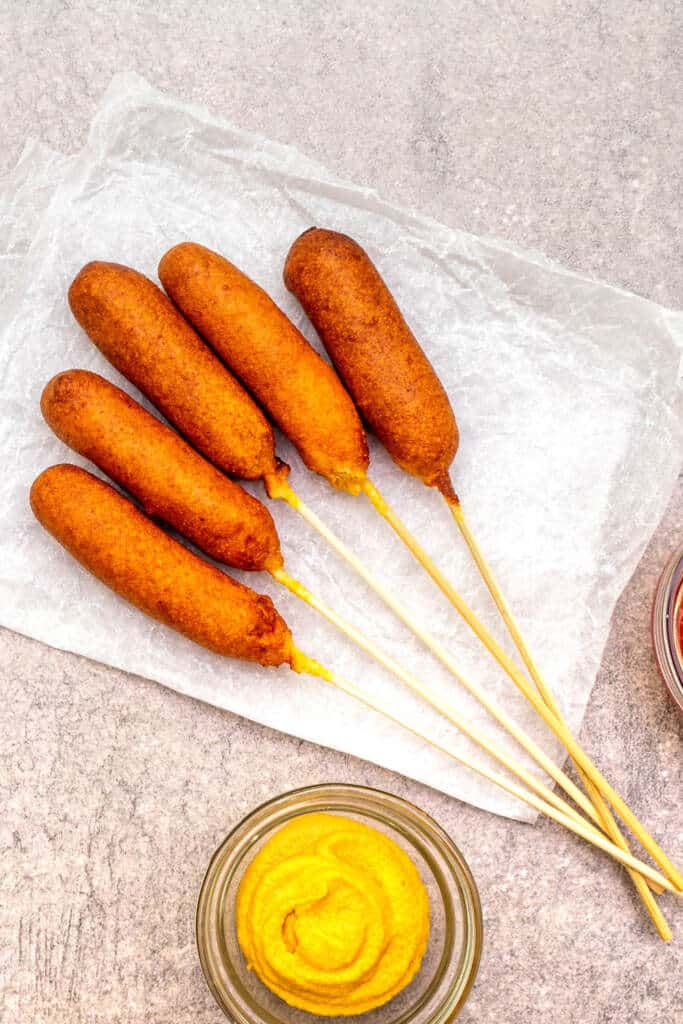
554	124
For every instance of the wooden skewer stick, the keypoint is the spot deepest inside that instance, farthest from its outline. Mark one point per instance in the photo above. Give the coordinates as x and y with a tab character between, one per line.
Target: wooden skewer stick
302	663
523	684
444	708
281	489
606	817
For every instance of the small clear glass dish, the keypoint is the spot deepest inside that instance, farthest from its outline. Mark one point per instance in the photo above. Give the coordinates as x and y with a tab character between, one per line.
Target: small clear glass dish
666	615
451	960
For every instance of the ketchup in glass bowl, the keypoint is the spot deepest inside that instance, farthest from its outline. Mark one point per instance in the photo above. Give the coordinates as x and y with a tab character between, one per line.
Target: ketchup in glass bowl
667	626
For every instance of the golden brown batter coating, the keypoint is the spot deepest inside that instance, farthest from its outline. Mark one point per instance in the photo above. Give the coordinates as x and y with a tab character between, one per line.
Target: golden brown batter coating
141	333
127	551
298	388
169	479
392	381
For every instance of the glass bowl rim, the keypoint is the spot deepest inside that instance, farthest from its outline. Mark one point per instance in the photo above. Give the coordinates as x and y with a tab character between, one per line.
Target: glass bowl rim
396	811
667	603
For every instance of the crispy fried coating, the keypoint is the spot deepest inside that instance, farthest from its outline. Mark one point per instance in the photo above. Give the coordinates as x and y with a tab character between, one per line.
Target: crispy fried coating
124	549
141	333
169	479
300	390
378	357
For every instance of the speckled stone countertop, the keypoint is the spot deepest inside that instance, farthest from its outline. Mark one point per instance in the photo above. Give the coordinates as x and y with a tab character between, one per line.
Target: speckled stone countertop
548	123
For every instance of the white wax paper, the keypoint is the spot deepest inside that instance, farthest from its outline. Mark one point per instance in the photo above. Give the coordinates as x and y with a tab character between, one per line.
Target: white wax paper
566	390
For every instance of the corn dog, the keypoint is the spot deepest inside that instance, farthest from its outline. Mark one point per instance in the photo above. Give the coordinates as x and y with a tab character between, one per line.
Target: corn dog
127	551
141	333
299	390
169	479
377	355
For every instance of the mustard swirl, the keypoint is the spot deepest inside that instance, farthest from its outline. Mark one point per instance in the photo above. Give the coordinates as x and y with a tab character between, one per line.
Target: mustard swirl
332	915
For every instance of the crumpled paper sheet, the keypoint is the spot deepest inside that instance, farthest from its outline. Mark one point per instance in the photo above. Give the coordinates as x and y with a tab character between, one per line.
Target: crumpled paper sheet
567	394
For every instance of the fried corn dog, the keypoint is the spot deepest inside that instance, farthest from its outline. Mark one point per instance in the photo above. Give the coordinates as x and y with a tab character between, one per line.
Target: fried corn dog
141	333
377	355
119	545
263	348
169	479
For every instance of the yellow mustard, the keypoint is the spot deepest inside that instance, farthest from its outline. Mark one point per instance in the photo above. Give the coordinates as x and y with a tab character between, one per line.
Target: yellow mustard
332	915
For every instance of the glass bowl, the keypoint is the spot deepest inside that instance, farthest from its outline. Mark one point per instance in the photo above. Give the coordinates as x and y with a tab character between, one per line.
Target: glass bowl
666	612
451	960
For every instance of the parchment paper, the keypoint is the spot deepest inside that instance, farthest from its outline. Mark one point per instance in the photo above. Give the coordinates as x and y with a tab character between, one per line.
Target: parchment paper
567	394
